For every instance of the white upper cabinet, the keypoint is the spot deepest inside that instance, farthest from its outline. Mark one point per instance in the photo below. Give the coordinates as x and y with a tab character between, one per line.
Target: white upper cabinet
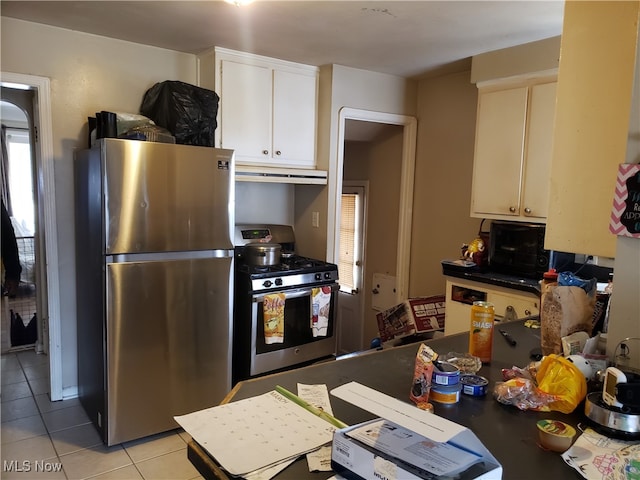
245	111
537	165
514	133
267	110
294	118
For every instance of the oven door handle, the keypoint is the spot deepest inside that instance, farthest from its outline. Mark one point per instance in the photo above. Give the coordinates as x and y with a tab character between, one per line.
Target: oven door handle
294	293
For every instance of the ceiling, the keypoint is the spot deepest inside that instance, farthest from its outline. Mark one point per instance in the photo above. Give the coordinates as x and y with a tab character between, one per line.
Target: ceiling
406	38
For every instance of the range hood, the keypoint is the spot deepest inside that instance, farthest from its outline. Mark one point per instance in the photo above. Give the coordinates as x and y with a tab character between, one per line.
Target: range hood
245	173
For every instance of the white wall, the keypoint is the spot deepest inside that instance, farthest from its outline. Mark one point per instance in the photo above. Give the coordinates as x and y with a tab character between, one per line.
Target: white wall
88	73
264	203
353	88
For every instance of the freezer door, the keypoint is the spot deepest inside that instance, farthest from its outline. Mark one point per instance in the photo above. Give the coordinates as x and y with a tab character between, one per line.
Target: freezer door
168	331
162	197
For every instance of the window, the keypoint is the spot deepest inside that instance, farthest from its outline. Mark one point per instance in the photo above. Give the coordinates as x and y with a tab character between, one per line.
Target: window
351	218
20	176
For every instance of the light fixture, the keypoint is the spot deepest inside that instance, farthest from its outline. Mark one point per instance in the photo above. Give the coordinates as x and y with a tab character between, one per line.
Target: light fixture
239	3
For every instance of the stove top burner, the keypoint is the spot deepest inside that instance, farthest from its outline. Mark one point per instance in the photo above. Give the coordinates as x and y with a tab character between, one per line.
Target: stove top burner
295	264
293	272
298	262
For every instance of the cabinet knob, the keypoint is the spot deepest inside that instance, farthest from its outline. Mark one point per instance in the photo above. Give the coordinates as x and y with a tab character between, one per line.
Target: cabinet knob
527	211
512	209
265	152
278	152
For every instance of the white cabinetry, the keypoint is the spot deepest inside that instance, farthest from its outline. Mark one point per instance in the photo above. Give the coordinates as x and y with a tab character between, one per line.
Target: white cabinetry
514	133
508	303
267	110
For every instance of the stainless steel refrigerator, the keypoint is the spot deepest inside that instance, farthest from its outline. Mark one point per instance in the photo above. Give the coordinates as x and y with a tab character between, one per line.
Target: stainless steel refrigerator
154	283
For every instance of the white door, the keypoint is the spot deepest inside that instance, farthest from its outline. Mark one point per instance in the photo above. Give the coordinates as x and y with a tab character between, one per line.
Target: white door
350	267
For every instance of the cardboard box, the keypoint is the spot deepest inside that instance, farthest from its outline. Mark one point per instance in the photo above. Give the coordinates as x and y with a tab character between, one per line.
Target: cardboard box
406	442
414	316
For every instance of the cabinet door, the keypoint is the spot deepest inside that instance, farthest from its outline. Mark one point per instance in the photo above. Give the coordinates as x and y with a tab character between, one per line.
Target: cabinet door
497	166
294	118
245	111
542	105
518	305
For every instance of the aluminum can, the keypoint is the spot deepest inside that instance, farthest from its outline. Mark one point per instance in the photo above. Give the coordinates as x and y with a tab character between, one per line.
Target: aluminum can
474	385
445	394
481	331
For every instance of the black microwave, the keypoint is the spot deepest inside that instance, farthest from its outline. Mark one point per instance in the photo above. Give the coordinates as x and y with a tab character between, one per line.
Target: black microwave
517	249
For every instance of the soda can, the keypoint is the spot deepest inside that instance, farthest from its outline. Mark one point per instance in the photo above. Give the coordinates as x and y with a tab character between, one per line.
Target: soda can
481	331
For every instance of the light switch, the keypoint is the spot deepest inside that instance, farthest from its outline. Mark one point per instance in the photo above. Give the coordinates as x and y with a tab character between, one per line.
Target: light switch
315	219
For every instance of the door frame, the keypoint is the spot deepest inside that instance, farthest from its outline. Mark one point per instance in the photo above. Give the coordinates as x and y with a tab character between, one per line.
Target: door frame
409	134
47	213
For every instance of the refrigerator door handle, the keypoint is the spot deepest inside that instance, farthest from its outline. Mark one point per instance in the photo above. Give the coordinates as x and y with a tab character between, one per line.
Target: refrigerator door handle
166	256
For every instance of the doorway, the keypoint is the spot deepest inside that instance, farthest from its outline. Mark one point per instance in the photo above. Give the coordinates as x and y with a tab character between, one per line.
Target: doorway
357	325
45	275
20	305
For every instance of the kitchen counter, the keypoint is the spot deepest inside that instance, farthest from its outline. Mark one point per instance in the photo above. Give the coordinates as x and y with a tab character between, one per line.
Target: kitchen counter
492	278
509	434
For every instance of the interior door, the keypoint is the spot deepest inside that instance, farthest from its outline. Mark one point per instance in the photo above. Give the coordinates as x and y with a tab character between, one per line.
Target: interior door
351	268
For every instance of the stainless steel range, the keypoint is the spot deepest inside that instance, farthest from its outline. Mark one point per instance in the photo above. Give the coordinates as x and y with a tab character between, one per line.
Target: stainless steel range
284	314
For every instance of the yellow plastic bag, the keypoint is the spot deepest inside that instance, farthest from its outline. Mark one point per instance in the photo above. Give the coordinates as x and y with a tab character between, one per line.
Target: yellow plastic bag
561	378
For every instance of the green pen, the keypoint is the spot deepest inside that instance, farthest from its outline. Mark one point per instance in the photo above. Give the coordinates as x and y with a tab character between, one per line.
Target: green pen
307	406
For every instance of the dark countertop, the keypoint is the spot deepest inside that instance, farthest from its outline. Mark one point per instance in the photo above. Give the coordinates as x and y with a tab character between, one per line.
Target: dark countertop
475	274
509	433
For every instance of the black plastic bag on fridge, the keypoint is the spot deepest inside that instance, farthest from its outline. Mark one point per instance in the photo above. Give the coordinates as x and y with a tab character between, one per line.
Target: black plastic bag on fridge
187	111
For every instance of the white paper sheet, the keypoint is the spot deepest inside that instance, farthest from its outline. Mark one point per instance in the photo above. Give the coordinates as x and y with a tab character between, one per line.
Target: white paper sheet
317	395
398	412
253	433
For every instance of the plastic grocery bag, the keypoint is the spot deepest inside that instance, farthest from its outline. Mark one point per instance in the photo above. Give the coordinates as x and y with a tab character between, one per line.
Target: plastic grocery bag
559	377
187	111
558	385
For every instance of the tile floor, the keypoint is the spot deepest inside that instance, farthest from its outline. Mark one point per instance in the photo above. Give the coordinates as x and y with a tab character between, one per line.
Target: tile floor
55	440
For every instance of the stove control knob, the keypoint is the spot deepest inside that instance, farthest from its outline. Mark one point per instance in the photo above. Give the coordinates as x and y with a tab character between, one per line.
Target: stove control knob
327	275
318	276
278	281
267	283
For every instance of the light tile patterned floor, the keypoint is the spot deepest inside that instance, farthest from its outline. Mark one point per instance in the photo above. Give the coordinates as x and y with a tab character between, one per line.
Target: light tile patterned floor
55	440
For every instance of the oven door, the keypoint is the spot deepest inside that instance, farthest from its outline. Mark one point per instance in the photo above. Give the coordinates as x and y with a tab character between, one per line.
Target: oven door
299	344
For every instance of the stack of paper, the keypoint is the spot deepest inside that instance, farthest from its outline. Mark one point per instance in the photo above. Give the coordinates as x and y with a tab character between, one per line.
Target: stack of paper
257	432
